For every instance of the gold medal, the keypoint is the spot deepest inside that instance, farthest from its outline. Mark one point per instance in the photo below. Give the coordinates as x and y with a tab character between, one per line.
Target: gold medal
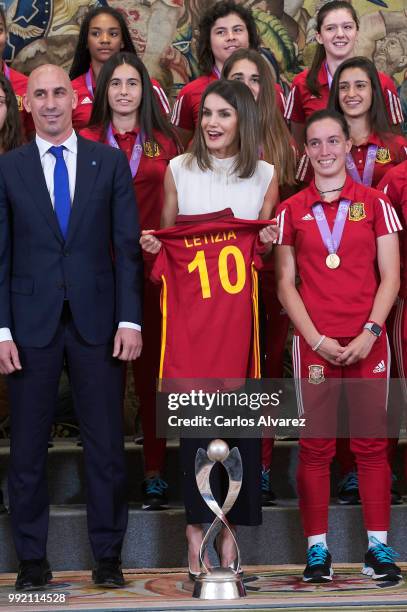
332	261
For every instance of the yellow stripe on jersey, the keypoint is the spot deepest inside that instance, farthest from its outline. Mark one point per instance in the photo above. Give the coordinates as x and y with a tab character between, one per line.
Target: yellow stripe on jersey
163	327
256	340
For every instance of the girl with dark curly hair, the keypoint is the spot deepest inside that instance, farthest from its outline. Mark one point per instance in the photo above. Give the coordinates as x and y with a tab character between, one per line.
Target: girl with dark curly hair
103	33
224	28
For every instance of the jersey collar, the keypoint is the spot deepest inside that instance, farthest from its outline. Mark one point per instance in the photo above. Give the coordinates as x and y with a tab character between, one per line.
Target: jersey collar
225	213
312	195
120	135
374	139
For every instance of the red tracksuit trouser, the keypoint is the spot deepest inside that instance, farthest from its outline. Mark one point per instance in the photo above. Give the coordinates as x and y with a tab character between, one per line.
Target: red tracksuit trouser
320	387
145	370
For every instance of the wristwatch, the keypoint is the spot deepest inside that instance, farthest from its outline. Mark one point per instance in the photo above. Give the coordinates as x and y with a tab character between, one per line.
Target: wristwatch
374	328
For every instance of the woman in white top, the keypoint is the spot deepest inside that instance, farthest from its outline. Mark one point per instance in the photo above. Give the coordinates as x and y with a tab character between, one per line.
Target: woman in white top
219	171
222	170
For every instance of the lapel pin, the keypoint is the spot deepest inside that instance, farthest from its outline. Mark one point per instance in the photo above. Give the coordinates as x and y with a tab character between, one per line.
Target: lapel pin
93	163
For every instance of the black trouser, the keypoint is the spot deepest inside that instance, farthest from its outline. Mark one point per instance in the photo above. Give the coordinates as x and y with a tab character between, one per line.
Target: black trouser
97	386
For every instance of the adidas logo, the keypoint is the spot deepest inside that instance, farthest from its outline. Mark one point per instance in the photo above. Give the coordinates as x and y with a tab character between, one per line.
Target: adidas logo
87	100
308	217
379	368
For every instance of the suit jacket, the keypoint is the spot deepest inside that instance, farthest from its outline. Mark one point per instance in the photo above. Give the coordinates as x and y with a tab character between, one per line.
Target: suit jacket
99	266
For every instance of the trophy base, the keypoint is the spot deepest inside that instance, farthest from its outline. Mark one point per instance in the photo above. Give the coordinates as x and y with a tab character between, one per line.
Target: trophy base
219	583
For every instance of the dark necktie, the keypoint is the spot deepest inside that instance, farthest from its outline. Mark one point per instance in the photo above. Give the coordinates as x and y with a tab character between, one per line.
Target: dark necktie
62	196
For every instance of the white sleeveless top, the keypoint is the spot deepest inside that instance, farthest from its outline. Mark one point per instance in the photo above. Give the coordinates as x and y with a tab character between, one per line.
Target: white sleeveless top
212	190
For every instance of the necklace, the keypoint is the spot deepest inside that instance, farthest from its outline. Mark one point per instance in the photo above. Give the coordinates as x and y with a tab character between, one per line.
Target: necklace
330	190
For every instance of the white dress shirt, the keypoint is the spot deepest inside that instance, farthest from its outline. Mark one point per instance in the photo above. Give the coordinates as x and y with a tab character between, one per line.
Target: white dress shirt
48	162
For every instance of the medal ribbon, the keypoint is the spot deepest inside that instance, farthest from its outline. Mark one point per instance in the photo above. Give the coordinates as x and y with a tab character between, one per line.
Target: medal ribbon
331	240
329	75
135	154
88	79
6	70
367	170
216	71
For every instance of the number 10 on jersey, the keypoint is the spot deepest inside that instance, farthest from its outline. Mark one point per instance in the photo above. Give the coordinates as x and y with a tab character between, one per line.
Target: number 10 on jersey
199	263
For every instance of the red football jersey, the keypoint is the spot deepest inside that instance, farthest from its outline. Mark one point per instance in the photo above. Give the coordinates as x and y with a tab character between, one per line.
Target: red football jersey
390	153
301	103
149	180
81	114
186	107
338	301
394	185
207	266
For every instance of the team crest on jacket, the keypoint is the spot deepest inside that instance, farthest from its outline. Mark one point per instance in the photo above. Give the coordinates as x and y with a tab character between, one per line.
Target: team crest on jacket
151	149
316	374
383	155
357	211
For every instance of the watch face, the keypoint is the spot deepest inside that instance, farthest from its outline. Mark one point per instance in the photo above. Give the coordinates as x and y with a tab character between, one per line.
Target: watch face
376	329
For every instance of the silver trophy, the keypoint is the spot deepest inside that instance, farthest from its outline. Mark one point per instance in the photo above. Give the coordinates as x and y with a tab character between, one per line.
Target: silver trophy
219	582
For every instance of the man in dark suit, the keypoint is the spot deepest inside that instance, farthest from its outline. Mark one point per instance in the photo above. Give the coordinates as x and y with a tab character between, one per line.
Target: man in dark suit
70	288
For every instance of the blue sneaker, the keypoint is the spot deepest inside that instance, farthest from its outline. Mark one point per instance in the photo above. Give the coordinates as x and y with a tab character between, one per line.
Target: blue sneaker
379	562
348	493
154	494
319	564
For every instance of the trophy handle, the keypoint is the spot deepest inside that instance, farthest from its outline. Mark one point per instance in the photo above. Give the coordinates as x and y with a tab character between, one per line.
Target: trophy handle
234	469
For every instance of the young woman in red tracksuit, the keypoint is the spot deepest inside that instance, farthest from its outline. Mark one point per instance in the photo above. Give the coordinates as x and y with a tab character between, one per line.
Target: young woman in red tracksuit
126	115
376	146
103	33
251	68
224	27
337	27
394	185
357	94
340	238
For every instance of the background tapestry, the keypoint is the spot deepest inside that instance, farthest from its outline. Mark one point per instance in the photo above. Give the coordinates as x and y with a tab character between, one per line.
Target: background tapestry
164	32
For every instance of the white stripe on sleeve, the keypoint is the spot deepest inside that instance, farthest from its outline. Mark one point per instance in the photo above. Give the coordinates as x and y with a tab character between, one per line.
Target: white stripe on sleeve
297	374
178	118
280	219
174	112
394	218
305	169
393	115
386	219
300	166
163	99
399	110
283	100
290	103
